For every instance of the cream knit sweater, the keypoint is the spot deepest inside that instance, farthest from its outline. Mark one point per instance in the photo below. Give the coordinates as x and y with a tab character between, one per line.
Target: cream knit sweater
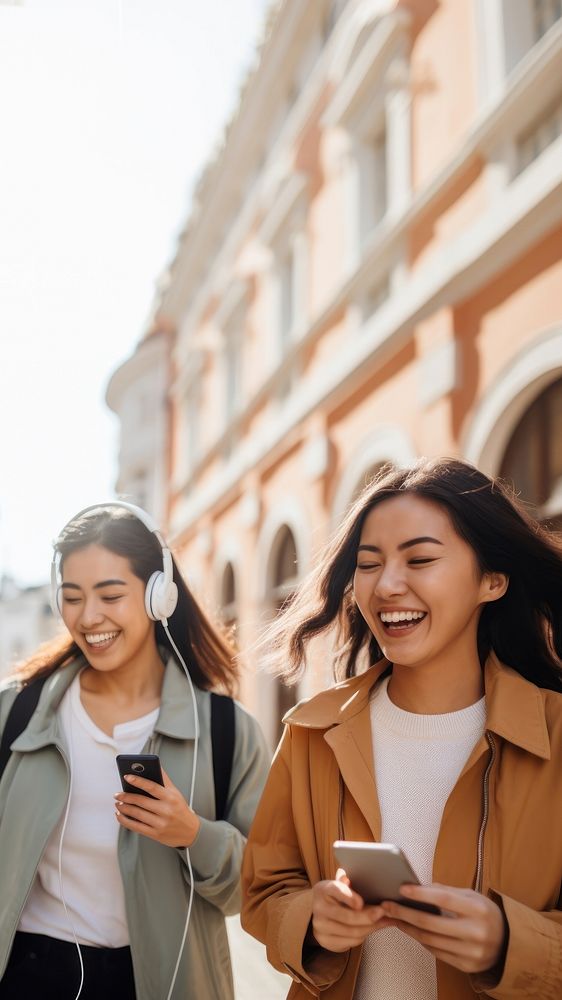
418	759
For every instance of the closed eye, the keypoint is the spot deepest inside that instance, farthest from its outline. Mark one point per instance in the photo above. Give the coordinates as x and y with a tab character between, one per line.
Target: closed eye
109	599
420	562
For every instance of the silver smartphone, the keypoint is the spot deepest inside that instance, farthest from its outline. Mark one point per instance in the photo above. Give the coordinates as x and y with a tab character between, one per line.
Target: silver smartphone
376	872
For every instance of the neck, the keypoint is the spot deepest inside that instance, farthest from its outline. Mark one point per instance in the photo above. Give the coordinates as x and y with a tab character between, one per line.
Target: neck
133	681
448	683
413	695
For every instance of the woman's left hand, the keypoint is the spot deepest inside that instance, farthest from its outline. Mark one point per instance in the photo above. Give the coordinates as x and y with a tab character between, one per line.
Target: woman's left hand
471	937
166	818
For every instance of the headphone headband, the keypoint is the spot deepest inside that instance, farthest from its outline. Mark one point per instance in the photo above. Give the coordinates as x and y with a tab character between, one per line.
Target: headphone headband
141	514
161	595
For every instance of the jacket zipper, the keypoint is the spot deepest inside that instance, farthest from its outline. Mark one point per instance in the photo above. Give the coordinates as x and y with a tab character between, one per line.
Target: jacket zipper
341	835
63	755
485	813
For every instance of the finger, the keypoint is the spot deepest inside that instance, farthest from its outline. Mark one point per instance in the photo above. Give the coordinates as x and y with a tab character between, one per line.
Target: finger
342	893
463	955
446	897
141	815
342	877
437	942
433	923
131	824
352	933
337	943
142	801
148	786
345	917
339	937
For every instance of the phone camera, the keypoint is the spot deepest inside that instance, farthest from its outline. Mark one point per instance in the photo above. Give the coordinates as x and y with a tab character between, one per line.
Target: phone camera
138	768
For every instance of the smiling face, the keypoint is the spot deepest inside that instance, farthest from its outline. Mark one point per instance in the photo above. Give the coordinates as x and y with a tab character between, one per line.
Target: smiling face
418	585
103	609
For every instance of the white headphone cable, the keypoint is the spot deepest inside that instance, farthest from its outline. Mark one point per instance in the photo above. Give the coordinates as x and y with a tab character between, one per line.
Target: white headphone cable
68	916
191	792
188	858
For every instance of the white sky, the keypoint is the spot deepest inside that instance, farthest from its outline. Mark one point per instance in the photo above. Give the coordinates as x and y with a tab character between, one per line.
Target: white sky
109	109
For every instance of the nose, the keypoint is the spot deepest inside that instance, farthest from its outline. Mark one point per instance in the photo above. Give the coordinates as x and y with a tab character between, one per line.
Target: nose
390	582
92	612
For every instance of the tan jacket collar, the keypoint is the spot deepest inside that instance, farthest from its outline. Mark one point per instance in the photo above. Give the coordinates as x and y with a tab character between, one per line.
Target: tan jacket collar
515	706
516	709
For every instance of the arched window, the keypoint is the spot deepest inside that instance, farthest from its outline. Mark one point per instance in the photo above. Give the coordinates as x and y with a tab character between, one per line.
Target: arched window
283	580
533	458
284	567
229	610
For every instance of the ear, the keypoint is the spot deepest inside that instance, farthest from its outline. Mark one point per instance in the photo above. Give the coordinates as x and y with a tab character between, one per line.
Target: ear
494	586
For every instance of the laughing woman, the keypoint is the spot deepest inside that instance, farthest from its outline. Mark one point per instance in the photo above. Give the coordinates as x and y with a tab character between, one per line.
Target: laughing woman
115	894
449	745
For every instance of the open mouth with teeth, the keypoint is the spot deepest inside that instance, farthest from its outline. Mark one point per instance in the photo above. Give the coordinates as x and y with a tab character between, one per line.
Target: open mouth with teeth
401	622
101	640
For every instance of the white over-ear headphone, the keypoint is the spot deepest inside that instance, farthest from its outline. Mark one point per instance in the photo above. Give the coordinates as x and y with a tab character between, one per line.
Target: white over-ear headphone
161	594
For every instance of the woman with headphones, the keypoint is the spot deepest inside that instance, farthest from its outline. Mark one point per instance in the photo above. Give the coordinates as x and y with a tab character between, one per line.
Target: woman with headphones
123	893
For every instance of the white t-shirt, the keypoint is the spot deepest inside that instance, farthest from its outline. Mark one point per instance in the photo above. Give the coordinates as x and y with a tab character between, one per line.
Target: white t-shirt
92	883
418	759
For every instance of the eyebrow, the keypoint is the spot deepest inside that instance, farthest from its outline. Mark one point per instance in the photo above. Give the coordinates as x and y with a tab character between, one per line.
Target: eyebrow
403	545
97	586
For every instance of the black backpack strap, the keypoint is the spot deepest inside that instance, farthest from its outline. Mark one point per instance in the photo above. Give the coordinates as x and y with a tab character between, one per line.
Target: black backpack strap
22	709
222	740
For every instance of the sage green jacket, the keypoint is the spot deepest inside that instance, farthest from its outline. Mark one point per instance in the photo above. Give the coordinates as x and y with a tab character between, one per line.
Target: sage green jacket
33	795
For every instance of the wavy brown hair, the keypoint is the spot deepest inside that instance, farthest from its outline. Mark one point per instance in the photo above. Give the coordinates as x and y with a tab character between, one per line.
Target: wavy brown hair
207	653
523	628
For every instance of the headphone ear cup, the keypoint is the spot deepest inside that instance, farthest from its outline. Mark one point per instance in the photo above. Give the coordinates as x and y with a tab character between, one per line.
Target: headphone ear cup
56	598
160	599
149	596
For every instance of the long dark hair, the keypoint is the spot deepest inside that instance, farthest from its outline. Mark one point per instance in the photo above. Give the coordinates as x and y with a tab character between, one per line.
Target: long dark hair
523	628
210	659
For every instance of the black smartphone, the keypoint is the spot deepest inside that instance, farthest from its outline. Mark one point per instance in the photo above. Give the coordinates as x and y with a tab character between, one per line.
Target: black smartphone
146	765
376	872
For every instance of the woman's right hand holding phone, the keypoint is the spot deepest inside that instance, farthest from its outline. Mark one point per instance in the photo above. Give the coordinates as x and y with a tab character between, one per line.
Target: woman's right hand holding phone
340	918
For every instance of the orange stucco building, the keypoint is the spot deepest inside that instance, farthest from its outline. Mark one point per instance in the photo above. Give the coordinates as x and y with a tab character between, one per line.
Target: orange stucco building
372	271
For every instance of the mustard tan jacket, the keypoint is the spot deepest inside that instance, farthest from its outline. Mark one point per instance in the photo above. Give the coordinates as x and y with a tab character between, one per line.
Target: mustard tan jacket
501	833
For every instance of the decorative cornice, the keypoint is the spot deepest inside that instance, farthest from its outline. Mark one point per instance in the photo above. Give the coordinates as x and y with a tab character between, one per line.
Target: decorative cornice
357	85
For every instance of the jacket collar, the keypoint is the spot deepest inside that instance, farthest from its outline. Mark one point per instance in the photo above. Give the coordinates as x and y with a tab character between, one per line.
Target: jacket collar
515	706
516	709
176	717
337	704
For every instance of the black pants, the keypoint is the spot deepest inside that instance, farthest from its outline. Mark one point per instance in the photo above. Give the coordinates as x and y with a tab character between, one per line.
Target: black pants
44	968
